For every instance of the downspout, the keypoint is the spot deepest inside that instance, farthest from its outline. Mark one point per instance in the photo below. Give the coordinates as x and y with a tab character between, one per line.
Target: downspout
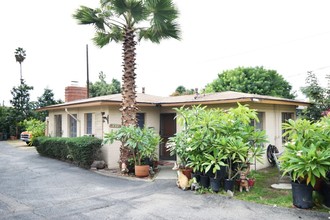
77	120
276	126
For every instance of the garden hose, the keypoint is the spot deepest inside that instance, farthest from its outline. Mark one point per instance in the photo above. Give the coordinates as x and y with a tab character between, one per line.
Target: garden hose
271	149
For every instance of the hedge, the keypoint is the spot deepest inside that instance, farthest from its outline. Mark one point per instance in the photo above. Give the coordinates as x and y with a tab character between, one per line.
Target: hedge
79	150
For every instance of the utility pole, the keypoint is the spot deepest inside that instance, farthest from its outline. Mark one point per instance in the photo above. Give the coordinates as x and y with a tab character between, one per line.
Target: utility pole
87	71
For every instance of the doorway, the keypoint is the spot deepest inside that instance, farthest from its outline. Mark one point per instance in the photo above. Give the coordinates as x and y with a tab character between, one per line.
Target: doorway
167	129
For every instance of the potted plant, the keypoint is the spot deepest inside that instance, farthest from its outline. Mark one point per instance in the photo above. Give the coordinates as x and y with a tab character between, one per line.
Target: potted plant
251	178
213	163
306	157
212	139
241	151
189	144
177	145
154	162
142	143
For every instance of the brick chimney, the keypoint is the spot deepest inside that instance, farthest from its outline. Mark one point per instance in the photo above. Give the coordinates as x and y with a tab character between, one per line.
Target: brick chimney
75	93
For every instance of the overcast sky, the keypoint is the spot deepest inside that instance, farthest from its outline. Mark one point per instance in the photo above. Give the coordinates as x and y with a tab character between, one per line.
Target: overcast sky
290	36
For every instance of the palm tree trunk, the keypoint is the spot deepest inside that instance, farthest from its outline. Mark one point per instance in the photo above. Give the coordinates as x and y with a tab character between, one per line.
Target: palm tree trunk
128	105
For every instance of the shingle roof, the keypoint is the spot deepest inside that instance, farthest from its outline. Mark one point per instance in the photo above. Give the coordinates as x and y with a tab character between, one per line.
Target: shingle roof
151	100
228	97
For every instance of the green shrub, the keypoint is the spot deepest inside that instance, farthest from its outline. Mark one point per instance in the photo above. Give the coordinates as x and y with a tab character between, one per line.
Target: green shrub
80	150
35	127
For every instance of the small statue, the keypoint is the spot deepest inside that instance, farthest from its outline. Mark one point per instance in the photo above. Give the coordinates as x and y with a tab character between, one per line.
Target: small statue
244	183
183	181
124	168
194	185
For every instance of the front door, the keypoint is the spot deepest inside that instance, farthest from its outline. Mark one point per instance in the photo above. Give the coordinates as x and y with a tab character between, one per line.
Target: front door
167	129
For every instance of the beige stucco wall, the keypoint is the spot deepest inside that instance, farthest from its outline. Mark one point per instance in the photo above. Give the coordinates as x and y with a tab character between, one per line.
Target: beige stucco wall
110	152
81	122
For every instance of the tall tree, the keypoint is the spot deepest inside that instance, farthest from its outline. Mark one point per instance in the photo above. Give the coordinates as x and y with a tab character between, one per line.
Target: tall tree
129	21
181	90
5	120
318	96
21	103
20	56
101	87
254	80
47	98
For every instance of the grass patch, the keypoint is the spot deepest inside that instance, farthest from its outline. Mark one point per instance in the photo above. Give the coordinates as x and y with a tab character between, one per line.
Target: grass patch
262	192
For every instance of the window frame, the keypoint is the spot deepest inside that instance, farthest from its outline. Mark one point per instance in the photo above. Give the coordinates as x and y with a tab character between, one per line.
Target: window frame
89	123
58	125
284	120
261	122
141	119
73	125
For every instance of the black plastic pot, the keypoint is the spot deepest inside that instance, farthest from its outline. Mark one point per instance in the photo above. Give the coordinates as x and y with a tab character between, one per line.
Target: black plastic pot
229	185
197	176
215	184
326	194
302	195
205	181
222	173
210	173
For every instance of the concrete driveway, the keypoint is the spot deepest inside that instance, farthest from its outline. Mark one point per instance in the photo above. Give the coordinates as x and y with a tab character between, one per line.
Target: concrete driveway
34	187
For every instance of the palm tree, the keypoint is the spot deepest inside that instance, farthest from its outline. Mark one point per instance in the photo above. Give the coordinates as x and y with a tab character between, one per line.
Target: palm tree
126	22
20	55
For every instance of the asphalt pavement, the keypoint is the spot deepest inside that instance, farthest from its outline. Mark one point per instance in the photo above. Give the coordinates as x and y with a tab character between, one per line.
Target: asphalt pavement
35	187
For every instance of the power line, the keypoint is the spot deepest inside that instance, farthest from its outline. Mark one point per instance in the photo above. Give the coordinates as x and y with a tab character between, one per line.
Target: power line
314	70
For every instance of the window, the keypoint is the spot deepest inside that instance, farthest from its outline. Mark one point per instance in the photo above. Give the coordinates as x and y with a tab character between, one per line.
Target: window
73	125
285	117
259	125
58	125
140	119
89	122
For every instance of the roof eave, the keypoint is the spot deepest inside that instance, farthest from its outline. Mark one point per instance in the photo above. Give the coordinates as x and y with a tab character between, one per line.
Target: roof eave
90	104
240	100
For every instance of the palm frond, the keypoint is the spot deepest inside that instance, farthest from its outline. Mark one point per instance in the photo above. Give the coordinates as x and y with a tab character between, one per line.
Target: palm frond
120	6
138	11
132	10
86	15
105	2
156	34
163	25
162	10
101	38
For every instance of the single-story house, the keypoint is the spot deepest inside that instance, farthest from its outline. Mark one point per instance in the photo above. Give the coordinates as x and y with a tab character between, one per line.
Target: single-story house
99	115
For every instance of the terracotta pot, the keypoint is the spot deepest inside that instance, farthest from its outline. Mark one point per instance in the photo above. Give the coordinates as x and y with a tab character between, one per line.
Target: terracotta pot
251	182
142	170
187	172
